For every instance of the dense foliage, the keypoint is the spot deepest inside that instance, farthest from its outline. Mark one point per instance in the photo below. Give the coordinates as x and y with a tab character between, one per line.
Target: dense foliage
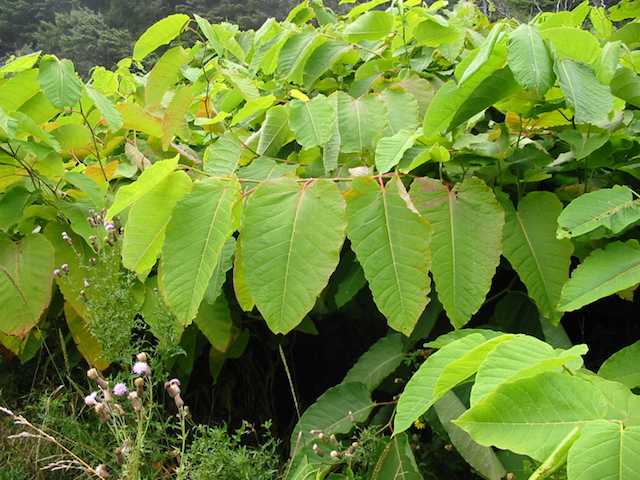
423	165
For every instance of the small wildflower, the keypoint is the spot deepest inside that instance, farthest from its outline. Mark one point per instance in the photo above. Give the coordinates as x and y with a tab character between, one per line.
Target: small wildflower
103	411
83	294
102	471
67	238
120	389
419	425
335	454
109	227
92	261
57	272
65	268
108	241
119	456
317	450
85	282
141	368
94	242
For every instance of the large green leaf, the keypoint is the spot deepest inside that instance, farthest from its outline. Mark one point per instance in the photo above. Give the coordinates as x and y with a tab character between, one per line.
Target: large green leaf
323	58
603	273
519	357
148	180
163	76
625	84
467	241
225	262
223	157
434	34
297	49
623	366
605	450
390	150
583	145
377	363
574	43
590	100
333	413
530	244
373	25
611	208
106	108
18	89
201	223
396	461
158	34
274	132
482	458
391	243
290	244
312	121
530	416
147	221
59	82
134	117
361	121
26	275
8	125
403	110
418	395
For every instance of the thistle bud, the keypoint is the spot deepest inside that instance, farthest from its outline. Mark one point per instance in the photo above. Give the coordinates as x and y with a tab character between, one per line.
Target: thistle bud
317	450
102	471
335	454
119	456
57	272
93	374
85	282
139	383
65	268
67	238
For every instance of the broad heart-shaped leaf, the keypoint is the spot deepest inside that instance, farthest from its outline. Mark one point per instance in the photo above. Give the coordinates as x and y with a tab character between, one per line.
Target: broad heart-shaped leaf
391	242
372	25
106	108
144	231
418	395
603	273
613	208
590	100
158	34
333	413
312	121
378	362
58	81
360	121
529	59
605	449
623	366
626	85
530	244
290	244
519	357
532	415
467	225
396	461
148	180
26	274
482	458
202	221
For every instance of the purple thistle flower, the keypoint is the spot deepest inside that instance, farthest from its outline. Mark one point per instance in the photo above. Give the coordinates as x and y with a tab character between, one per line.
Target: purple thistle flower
141	368
120	389
91	399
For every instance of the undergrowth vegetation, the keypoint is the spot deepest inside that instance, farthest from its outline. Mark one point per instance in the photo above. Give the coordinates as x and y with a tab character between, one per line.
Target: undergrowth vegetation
361	233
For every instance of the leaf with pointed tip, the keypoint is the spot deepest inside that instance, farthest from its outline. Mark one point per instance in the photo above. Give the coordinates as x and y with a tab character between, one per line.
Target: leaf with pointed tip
377	363
403	110
612	208
134	117
590	100
59	82
274	131
290	244
418	395
158	34
20	64
26	275
532	415
201	223
147	221
223	157
519	357
312	122
390	150
322	59
529	59
106	108
391	243
480	457
603	273
572	42
163	76
360	121
467	225
625	84
530	244
148	180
